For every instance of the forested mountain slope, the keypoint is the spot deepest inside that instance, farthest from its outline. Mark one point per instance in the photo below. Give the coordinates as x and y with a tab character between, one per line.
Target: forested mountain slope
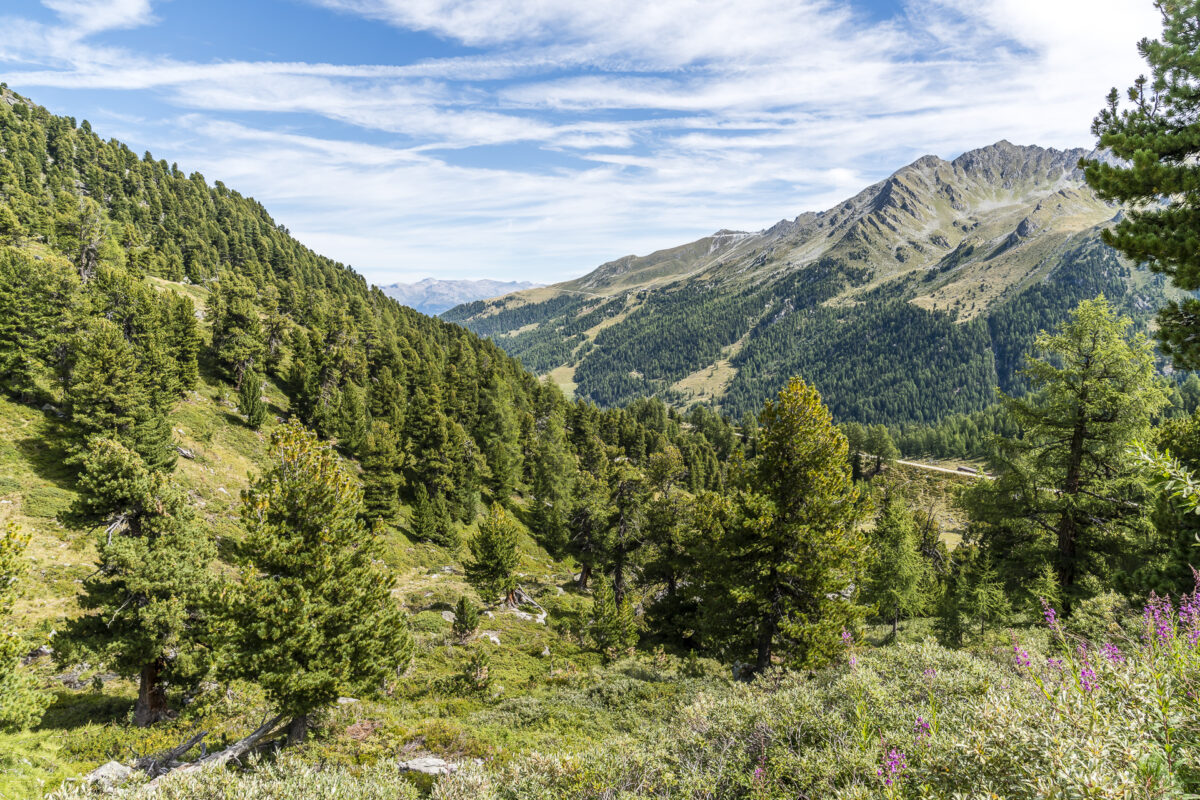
907	302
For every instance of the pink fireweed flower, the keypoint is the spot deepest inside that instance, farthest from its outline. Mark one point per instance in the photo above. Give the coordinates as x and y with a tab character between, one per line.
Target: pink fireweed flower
1189	616
1050	615
893	767
1112	653
1157	619
1020	655
1087	677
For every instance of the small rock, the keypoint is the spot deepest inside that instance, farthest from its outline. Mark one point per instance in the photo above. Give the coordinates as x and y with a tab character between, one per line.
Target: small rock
521	615
492	636
186	453
546	651
109	776
449	570
222	490
346	701
429	765
448	616
36	653
561	591
489	615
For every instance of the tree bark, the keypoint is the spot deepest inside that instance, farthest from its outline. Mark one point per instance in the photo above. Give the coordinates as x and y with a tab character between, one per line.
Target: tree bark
297	730
585	573
1067	525
151	706
895	622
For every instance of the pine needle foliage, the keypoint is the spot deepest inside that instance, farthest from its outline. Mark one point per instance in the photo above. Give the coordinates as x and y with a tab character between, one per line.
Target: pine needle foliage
314	617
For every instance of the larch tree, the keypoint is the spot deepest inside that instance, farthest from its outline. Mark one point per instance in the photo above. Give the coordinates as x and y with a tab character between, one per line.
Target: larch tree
791	563
1069	492
1155	138
145	606
314	617
894	579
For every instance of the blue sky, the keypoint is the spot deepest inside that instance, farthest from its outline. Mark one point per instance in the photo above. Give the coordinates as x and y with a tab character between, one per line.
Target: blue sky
536	139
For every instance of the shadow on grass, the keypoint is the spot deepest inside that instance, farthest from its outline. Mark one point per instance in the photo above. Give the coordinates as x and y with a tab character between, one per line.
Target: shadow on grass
74	709
46	456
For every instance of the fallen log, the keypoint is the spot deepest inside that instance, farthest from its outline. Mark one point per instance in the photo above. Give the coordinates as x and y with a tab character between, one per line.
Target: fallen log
230	753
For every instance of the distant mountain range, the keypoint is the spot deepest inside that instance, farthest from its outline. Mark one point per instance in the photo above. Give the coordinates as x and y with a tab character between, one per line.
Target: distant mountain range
909	301
433	295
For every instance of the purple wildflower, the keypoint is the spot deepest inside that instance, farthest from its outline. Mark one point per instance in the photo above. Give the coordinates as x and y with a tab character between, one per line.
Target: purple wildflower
1189	616
1057	663
847	637
1157	619
930	672
1020	655
759	773
1112	653
853	662
921	727
1050	615
1087	677
893	766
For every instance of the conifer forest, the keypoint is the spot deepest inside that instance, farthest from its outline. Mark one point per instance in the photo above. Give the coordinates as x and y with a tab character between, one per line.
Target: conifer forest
845	528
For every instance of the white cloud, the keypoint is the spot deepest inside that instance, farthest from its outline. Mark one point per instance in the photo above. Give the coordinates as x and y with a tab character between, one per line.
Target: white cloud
657	121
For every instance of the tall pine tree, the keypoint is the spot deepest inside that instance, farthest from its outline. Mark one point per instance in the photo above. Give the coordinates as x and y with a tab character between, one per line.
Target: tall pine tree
314	617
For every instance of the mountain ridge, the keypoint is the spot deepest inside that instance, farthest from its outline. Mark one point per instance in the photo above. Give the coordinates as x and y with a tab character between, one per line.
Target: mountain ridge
434	295
972	238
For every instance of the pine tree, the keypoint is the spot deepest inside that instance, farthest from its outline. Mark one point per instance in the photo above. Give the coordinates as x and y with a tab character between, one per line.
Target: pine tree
107	398
498	437
314	617
1069	492
791	562
552	479
237	339
1157	174
145	604
495	557
627	497
614	627
21	703
431	520
894	581
250	402
466	619
383	465
588	526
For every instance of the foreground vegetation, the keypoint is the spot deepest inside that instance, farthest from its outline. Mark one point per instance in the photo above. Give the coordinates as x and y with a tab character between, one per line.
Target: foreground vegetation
427	552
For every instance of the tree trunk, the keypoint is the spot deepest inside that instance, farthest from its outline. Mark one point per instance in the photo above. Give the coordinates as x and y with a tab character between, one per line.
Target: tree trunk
895	622
1067	525
766	637
585	573
151	704
297	730
619	576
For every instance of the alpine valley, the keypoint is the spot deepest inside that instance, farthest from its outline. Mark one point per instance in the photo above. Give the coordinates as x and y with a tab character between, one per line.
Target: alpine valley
910	301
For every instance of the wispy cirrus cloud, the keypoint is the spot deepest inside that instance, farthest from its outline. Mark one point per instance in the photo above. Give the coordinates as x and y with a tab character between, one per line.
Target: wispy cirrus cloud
549	136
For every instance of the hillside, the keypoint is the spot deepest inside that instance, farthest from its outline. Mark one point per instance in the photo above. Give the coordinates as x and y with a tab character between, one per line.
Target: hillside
433	295
905	303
